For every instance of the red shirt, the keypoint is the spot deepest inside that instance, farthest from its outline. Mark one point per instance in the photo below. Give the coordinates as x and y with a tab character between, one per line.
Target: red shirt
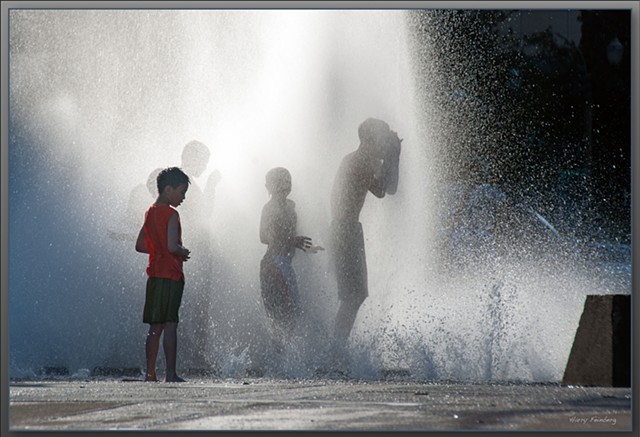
162	264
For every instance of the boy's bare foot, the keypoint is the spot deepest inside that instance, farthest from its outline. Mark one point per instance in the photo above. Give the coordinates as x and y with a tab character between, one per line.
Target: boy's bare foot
174	379
150	379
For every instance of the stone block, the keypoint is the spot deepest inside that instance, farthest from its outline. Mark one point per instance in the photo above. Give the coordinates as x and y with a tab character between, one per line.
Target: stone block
601	351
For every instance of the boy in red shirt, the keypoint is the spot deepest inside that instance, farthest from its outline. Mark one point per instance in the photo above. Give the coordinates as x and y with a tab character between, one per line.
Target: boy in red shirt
161	238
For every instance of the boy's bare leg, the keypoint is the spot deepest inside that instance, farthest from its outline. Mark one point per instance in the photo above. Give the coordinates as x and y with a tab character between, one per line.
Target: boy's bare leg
152	346
345	319
170	345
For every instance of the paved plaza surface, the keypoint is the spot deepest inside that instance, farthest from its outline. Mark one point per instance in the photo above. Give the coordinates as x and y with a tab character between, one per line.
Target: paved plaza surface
326	404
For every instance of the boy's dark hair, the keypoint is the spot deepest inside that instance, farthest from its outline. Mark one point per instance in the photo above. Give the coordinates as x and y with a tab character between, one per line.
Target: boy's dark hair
372	129
172	176
276	179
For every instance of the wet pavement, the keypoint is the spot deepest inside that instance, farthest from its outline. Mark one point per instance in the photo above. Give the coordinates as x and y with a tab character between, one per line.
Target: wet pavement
326	404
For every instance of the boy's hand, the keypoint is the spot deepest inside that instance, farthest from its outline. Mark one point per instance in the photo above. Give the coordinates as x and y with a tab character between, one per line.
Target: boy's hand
391	163
394	144
186	254
302	242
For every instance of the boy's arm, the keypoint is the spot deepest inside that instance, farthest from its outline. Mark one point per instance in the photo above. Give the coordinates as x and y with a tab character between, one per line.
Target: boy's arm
377	187
141	244
209	194
172	239
264	227
392	163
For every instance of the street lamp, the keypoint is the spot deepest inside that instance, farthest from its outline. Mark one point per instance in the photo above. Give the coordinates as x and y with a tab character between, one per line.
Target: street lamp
615	51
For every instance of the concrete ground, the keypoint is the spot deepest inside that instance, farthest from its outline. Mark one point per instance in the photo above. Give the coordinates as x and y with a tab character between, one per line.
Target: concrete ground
332	404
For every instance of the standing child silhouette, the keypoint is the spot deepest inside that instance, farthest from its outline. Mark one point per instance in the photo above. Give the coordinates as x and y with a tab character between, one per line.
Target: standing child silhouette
278	230
372	167
161	238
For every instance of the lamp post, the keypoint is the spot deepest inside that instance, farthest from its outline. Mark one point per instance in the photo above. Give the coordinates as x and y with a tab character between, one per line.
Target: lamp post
615	56
615	51
588	109
587	89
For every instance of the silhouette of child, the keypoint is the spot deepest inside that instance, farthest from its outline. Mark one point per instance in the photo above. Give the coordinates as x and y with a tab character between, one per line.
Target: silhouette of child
373	167
161	238
138	202
197	216
199	207
278	229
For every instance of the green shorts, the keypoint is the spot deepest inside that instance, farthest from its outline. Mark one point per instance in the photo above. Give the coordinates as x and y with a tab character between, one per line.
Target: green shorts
162	300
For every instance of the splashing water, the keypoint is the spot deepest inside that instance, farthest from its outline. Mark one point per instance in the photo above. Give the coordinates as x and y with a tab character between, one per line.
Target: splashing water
99	98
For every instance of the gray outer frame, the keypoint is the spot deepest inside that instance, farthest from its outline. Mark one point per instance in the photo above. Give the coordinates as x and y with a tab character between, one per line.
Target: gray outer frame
6	6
